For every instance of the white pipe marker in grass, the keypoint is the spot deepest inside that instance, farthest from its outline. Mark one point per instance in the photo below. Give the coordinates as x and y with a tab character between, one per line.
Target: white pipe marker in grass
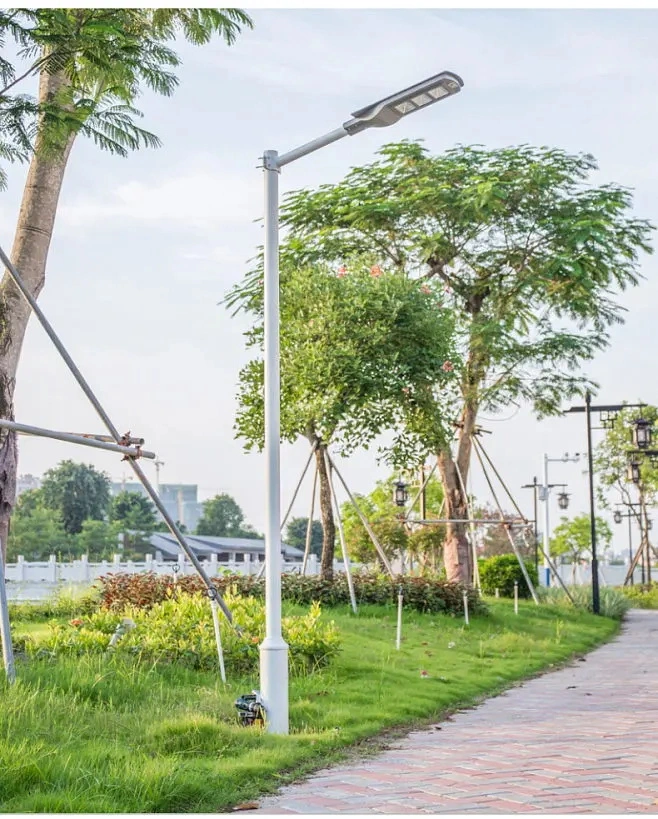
5	632
516	597
497	592
466	607
399	633
218	637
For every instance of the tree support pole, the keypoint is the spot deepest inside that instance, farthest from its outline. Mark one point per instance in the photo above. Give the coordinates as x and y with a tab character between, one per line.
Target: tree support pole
469	509
213	592
420	492
299	483
546	555
309	528
341	533
367	526
5	631
522	565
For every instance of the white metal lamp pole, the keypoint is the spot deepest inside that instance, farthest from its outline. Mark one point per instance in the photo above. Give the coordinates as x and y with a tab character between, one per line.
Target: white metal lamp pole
273	650
545	496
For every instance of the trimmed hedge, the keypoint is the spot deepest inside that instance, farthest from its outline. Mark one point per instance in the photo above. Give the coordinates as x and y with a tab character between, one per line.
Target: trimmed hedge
429	595
500	572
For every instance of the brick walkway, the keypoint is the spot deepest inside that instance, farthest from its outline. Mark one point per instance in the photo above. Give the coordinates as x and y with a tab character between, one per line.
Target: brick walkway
580	740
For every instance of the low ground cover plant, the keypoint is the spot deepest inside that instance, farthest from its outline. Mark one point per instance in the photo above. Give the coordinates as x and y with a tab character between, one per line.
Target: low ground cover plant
423	594
641	596
613	603
180	630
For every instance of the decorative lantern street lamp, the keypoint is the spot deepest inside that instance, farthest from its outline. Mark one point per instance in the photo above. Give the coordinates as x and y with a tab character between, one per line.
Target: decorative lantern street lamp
634	471
400	494
617	516
641	433
563	500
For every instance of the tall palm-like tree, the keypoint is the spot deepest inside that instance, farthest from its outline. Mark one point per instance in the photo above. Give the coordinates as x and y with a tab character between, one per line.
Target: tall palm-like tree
91	65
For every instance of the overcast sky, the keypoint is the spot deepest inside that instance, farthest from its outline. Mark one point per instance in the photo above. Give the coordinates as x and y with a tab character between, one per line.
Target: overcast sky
144	248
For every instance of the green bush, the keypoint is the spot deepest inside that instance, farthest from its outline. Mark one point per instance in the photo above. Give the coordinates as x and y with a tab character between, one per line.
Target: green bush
641	597
612	602
180	629
67	602
423	594
500	572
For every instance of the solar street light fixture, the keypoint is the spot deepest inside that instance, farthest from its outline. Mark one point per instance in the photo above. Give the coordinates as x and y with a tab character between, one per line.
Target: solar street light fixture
273	650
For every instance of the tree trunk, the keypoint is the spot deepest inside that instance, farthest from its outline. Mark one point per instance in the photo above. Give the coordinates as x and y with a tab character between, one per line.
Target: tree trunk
326	511
457	555
29	254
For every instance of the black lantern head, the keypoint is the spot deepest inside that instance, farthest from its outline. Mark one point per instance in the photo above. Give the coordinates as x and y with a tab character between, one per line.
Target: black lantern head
649	523
563	500
400	494
641	433
617	516
634	472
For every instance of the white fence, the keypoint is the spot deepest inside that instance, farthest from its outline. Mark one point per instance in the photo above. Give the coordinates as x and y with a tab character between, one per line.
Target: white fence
39	580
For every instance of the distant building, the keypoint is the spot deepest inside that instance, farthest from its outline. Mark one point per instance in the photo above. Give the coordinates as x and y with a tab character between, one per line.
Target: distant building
179	499
25	482
226	548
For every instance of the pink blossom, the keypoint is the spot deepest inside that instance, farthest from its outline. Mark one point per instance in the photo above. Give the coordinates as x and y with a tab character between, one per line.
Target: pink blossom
406	390
425	289
342	271
376	271
447	289
447	367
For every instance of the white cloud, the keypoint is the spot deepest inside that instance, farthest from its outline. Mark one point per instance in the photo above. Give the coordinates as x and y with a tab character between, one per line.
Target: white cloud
200	196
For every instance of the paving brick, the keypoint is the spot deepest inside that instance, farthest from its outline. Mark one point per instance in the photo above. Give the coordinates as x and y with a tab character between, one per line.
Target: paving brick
539	748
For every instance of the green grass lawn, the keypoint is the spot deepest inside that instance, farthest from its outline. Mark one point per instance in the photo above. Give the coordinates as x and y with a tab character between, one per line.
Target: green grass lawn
95	735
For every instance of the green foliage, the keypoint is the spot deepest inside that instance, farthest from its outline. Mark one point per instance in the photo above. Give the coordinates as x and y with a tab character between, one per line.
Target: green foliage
36	532
383	515
67	602
223	517
106	58
611	459
362	347
77	492
572	537
424	594
296	535
613	602
495	540
517	236
134	516
98	539
500	572
180	630
641	597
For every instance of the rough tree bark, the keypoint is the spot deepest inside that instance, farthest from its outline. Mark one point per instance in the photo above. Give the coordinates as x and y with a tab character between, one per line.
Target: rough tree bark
327	514
457	555
29	254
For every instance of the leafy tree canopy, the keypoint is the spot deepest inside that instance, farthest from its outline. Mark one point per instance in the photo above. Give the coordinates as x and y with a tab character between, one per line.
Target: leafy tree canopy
77	492
572	537
36	531
363	349
133	511
296	535
106	57
222	517
611	459
529	254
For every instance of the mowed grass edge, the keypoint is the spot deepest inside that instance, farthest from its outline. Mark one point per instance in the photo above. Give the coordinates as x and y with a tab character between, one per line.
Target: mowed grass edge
95	735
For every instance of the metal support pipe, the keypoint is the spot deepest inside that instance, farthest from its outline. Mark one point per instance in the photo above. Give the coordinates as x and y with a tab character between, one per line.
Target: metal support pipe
70	438
5	630
114	432
546	533
592	508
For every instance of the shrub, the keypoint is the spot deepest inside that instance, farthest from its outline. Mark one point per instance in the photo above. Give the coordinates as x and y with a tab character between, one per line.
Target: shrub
500	572
67	602
641	597
424	594
613	603
180	629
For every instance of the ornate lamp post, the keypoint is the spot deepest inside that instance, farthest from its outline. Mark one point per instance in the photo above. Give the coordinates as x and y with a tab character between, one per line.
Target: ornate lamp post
400	494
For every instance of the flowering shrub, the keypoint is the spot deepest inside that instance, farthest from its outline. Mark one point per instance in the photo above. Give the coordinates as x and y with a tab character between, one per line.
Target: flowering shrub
424	594
180	629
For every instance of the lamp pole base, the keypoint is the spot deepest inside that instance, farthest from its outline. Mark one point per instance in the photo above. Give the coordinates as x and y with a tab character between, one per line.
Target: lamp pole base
274	684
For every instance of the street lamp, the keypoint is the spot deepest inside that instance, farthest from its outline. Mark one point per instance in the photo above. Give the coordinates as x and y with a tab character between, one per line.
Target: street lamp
400	494
563	500
634	471
617	516
544	496
273	650
641	433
